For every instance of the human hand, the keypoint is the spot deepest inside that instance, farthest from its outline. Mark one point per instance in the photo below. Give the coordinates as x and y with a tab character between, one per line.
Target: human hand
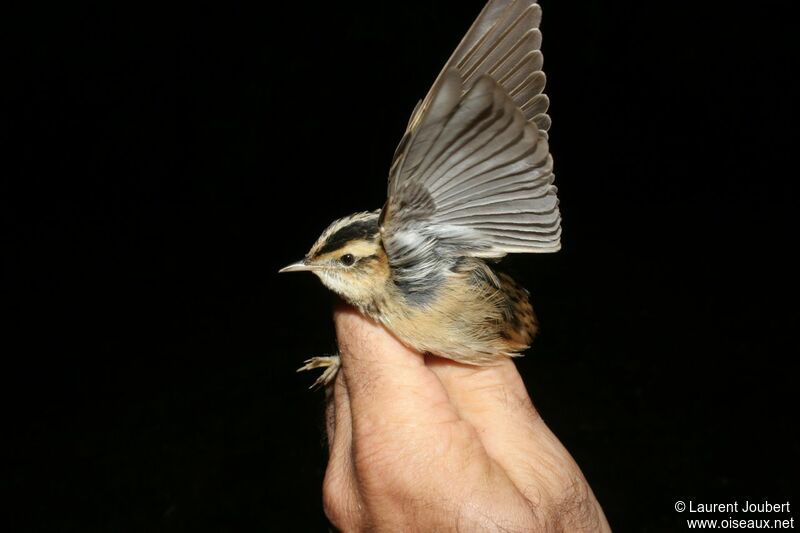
421	443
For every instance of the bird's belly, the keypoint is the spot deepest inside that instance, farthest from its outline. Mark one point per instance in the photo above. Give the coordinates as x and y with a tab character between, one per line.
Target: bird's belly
465	323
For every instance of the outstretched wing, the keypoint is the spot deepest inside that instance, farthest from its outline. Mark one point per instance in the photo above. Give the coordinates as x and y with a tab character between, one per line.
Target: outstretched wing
473	174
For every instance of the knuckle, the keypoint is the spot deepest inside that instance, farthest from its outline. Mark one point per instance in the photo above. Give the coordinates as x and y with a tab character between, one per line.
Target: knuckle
576	507
571	508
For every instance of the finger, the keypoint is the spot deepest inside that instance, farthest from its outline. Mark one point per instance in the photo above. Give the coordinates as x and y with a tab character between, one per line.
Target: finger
339	493
493	399
338	419
407	437
481	392
387	383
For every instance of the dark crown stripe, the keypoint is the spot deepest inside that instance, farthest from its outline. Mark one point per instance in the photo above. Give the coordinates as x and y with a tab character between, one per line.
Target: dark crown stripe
360	229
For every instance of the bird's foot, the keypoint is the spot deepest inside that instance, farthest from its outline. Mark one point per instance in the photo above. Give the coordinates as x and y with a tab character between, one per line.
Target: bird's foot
330	363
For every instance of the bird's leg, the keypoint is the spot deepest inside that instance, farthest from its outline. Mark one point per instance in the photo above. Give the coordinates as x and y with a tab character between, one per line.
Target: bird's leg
330	363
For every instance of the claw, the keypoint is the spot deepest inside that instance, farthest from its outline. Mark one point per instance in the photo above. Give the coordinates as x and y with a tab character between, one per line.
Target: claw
331	365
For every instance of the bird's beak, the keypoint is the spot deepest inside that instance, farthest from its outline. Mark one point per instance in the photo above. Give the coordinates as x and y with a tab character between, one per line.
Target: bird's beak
298	267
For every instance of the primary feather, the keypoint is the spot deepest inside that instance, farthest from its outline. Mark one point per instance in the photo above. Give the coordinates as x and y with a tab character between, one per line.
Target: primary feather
473	175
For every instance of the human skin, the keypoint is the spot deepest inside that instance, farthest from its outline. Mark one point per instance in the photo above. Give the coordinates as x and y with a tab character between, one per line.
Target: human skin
421	443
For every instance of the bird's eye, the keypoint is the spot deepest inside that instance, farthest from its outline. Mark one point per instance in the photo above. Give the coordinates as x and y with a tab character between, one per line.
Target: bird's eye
347	259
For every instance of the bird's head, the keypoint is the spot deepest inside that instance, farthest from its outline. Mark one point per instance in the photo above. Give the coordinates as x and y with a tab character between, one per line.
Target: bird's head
349	259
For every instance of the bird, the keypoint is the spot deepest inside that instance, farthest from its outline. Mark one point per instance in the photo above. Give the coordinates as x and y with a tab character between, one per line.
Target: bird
470	182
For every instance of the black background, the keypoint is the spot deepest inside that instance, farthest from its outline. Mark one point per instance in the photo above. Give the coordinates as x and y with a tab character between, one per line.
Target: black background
164	163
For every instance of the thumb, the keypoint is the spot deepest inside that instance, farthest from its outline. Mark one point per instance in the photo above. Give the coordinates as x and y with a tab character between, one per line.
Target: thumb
387	382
